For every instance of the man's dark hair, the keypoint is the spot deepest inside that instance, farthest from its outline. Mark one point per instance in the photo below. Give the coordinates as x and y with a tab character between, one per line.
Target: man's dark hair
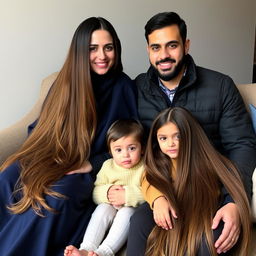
165	19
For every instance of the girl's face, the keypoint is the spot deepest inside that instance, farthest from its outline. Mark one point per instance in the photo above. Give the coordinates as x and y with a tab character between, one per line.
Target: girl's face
102	53
126	151
168	138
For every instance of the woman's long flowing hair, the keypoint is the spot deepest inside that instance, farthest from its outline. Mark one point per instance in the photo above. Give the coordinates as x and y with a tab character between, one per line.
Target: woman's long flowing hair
62	138
195	194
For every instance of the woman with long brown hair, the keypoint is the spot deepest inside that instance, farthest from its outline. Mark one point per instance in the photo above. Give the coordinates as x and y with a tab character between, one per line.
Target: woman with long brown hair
188	180
41	208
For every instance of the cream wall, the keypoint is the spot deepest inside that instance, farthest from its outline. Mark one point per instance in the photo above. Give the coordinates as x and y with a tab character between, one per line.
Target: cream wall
35	36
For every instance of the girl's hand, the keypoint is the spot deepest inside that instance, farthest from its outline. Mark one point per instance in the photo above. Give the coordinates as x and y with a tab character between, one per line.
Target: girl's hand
85	168
161	211
116	195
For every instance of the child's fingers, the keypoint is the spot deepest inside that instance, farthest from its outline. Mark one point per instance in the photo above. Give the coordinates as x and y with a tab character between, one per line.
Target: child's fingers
173	213
163	220
168	220
166	224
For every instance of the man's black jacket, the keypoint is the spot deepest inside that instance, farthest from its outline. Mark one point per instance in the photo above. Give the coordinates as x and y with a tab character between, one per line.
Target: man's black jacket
215	102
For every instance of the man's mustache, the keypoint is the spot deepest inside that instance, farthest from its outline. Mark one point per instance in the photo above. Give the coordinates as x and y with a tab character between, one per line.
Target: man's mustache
166	60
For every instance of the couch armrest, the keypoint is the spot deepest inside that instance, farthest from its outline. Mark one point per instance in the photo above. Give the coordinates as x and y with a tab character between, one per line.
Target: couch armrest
248	93
12	137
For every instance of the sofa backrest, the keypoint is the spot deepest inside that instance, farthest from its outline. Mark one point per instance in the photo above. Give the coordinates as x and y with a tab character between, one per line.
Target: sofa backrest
248	93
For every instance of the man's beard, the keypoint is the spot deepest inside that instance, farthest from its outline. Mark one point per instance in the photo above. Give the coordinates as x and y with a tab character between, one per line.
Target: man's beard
174	73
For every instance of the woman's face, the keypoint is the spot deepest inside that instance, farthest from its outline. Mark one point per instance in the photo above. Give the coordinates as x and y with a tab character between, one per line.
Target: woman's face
102	52
168	138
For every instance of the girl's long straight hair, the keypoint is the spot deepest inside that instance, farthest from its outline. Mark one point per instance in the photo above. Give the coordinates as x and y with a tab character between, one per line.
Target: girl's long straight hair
195	194
61	140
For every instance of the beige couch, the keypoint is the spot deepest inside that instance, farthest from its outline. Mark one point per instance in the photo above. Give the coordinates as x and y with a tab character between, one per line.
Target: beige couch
12	137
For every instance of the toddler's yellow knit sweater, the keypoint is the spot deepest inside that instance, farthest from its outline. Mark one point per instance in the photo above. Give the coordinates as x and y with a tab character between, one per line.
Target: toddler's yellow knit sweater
112	174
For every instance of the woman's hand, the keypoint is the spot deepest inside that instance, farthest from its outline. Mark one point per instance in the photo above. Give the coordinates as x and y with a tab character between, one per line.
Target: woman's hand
85	168
161	211
116	195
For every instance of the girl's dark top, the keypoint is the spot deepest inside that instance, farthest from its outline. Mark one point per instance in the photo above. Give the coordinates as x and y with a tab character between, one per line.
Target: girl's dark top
29	234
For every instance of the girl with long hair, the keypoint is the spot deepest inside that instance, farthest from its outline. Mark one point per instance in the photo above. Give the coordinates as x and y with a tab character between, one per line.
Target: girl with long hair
190	180
41	208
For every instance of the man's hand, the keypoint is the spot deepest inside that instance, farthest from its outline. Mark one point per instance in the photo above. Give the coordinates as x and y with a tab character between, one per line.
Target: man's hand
116	195
230	216
161	211
85	168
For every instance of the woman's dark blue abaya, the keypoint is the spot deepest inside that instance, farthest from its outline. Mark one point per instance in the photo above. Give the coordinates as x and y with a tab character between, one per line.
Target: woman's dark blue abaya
29	234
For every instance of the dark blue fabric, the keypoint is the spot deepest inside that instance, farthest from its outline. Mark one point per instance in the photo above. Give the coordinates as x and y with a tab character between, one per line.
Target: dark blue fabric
31	235
118	102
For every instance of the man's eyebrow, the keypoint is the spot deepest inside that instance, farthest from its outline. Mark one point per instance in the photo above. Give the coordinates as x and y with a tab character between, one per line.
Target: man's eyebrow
173	42
170	42
151	45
